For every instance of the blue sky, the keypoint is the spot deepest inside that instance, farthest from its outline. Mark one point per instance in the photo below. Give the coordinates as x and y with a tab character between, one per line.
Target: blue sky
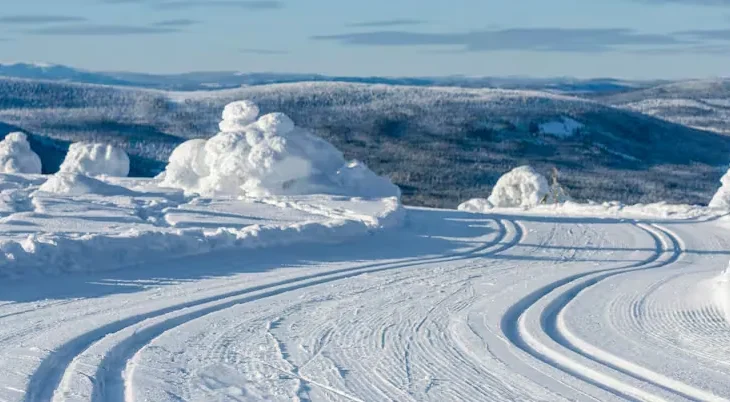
581	38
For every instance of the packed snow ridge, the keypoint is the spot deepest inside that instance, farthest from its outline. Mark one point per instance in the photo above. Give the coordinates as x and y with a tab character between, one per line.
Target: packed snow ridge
268	155
16	155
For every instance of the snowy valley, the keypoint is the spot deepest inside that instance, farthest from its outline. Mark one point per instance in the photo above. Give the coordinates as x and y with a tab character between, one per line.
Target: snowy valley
277	243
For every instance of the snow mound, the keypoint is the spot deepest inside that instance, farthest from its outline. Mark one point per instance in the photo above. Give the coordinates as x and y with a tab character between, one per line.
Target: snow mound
476	205
95	160
70	183
362	181
721	200
564	128
521	187
268	156
16	155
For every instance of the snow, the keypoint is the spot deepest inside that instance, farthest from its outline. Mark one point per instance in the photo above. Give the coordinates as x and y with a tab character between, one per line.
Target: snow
325	298
76	184
521	187
16	155
95	159
721	199
73	222
268	155
564	128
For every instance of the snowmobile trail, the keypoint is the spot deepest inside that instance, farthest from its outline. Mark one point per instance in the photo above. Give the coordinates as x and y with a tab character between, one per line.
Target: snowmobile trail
453	306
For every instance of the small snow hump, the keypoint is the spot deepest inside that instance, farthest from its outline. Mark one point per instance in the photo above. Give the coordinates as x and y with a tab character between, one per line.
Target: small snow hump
16	155
95	160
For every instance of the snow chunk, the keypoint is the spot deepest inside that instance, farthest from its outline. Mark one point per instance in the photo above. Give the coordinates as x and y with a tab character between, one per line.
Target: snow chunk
77	184
16	155
95	160
564	128
721	200
269	156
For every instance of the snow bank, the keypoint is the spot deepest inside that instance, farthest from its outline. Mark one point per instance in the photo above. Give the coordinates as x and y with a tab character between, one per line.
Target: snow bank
268	156
58	253
78	184
95	160
612	209
16	155
721	200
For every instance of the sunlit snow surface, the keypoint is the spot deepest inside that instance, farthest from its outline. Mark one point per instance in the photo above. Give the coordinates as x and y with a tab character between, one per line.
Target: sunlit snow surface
127	291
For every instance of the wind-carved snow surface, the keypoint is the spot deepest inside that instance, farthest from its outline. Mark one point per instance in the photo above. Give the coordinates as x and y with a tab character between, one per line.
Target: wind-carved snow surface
268	155
16	155
522	187
73	222
95	160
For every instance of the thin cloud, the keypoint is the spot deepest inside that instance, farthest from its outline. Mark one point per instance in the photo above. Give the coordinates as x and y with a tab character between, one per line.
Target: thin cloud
707	34
265	52
183	22
186	4
526	39
249	5
717	3
699	49
101	30
39	19
387	23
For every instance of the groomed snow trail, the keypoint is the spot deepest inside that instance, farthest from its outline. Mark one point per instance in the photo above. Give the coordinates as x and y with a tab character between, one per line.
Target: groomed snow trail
452	307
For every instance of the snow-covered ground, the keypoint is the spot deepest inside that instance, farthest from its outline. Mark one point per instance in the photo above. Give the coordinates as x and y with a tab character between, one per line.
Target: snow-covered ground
329	298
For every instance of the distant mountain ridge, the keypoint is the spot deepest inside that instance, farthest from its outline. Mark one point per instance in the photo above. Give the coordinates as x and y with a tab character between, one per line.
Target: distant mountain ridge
195	81
441	145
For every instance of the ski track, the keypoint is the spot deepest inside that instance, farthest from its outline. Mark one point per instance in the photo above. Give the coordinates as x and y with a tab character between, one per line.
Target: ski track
107	386
411	350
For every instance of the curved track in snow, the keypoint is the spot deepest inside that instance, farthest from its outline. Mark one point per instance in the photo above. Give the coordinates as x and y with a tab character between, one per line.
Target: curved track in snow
452	307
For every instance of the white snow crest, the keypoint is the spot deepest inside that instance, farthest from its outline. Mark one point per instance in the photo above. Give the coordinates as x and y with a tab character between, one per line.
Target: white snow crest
95	160
16	155
268	156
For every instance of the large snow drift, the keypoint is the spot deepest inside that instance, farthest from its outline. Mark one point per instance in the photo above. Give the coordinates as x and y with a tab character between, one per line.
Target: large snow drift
95	160
16	155
268	156
521	187
721	200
